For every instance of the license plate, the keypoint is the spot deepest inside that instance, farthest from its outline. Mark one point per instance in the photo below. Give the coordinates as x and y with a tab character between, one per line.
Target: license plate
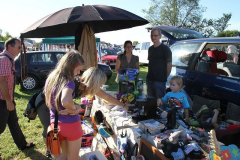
112	63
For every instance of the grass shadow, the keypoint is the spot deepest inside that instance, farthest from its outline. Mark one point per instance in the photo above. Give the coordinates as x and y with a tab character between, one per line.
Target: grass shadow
33	154
25	94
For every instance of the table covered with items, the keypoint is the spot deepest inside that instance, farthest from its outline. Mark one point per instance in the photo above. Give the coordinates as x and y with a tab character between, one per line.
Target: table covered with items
145	131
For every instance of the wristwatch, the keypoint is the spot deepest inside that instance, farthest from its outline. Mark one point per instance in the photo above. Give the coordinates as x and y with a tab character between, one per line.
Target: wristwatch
124	105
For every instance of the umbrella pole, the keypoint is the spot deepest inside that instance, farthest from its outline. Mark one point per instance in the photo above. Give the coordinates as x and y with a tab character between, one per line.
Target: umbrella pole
23	58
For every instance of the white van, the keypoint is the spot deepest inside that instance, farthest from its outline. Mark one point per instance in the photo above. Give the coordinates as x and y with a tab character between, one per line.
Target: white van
141	50
170	35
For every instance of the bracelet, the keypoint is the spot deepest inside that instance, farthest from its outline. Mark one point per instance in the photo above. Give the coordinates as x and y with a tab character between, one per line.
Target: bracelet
124	105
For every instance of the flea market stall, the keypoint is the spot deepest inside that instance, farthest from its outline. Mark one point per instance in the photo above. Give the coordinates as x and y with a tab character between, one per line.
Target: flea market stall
149	131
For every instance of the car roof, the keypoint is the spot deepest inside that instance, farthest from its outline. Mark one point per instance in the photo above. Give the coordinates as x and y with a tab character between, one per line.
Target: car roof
178	33
214	40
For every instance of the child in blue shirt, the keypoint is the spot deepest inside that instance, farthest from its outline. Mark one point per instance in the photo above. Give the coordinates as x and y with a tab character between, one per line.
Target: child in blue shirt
176	97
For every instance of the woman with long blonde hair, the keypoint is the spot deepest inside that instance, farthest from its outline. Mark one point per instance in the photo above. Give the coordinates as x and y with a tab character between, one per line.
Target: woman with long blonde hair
59	94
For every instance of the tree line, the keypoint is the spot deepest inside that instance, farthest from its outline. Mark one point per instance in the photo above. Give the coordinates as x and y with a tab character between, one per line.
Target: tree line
188	14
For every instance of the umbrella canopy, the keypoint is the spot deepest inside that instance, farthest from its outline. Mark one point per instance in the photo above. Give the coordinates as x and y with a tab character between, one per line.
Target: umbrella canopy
99	17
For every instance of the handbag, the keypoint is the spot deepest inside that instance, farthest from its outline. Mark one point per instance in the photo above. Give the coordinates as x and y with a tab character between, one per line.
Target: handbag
53	141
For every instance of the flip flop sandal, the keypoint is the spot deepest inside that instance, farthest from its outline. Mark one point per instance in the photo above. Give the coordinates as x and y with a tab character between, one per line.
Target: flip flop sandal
30	146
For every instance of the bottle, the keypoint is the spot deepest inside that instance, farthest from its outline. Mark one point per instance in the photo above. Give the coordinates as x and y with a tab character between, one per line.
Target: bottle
144	94
142	111
88	107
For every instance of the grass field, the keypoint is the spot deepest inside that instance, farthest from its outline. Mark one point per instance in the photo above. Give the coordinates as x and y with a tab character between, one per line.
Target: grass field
33	130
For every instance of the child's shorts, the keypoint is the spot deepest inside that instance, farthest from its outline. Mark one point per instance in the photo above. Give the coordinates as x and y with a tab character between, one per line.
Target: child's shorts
69	131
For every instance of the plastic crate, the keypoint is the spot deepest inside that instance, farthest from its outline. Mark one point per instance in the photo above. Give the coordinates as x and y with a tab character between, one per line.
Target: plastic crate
89	128
87	141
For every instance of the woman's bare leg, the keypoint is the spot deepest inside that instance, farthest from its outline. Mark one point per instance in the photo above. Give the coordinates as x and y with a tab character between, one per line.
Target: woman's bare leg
64	147
73	149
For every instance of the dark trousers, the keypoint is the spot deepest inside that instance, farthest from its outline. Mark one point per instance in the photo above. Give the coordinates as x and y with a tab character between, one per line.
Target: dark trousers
10	118
156	89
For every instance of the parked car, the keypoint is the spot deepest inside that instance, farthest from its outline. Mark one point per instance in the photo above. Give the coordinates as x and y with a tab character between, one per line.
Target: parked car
110	57
206	69
40	63
170	35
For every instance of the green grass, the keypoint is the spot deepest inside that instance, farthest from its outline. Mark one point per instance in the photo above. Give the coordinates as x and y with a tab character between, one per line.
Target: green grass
33	130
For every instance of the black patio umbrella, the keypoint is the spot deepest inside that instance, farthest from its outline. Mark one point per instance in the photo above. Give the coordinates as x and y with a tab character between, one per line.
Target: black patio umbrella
70	21
99	17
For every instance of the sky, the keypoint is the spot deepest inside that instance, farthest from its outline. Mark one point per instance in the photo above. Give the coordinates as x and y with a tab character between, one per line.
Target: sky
16	15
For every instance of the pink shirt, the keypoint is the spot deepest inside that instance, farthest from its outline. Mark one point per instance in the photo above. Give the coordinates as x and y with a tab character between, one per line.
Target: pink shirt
5	70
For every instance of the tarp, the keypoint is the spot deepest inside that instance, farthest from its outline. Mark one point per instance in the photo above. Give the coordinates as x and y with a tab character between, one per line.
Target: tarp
63	40
2	43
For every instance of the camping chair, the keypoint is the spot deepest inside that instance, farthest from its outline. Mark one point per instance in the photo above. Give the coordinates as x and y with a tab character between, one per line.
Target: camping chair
233	112
213	57
198	102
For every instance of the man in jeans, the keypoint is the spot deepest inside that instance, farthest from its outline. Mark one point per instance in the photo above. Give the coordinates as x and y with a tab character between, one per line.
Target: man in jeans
8	114
159	66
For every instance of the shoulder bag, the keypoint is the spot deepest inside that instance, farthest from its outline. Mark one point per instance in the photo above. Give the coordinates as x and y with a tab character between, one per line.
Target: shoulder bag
53	141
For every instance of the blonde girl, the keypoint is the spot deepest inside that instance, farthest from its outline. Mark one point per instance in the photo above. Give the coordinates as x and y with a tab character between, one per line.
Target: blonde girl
90	83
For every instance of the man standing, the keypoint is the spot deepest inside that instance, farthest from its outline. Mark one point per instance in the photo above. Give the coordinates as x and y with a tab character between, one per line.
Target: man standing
8	114
159	66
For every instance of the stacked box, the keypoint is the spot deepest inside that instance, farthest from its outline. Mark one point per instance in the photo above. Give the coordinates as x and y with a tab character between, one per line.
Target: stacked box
151	126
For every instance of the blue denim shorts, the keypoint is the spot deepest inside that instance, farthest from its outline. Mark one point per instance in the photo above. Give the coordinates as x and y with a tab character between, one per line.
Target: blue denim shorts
156	89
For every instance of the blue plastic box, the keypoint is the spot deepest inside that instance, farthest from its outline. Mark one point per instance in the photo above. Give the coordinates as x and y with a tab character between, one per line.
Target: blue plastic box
128	74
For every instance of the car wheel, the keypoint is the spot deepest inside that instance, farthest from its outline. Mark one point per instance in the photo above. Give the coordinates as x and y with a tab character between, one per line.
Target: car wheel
29	83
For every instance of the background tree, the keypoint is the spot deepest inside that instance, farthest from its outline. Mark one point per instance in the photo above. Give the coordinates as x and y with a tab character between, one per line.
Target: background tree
185	13
4	38
135	42
228	33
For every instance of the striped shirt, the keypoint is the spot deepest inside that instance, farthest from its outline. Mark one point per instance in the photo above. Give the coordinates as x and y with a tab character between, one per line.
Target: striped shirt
5	70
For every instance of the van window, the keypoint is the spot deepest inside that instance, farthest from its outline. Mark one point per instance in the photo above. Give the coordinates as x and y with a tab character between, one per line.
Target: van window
228	68
183	52
45	58
33	59
138	46
145	45
59	56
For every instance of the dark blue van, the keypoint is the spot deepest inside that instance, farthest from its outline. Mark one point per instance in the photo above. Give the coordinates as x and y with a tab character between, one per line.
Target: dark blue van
203	73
